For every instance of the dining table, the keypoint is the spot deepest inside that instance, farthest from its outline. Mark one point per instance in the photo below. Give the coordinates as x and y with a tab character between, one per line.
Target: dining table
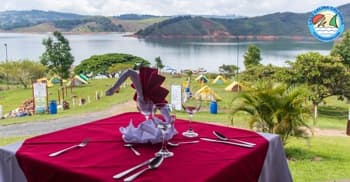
105	155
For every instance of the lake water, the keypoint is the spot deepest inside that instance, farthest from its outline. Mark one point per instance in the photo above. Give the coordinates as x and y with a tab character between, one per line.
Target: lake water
179	54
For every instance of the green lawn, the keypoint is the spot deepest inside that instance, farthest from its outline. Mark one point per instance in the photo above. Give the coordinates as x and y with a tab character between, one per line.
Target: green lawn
320	159
9	140
14	98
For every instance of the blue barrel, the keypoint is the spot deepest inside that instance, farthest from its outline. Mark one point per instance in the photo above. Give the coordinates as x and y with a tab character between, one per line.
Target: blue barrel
213	107
53	107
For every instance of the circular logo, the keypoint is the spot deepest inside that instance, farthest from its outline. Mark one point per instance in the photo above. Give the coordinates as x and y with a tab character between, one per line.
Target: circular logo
326	23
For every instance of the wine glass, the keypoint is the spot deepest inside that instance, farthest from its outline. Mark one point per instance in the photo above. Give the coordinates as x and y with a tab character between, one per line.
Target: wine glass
145	107
164	121
191	105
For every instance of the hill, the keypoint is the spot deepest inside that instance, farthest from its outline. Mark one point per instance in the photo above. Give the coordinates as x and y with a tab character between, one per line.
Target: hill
184	26
15	19
47	21
276	24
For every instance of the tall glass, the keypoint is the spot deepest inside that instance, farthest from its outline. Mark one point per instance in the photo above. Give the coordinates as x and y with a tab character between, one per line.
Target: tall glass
164	117
145	107
191	106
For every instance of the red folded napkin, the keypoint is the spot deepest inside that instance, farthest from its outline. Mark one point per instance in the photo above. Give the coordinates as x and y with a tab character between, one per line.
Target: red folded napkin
151	83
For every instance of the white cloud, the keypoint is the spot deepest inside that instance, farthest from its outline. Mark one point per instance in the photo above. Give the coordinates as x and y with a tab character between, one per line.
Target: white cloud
169	7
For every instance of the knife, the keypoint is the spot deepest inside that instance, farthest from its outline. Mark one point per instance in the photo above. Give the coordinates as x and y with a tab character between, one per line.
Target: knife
224	138
123	173
227	142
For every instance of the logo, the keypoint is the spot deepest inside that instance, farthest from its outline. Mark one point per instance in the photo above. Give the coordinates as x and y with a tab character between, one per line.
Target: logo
326	23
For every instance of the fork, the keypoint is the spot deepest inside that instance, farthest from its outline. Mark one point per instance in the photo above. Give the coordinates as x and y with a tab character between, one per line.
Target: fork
80	145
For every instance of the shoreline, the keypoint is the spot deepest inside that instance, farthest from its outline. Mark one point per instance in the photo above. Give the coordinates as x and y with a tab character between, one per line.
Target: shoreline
180	37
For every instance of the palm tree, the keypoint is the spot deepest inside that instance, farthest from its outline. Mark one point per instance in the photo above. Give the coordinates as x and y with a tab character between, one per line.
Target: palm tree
274	108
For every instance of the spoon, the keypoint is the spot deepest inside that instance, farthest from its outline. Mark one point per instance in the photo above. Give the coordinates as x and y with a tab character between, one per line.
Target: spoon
155	163
224	138
179	143
80	145
129	145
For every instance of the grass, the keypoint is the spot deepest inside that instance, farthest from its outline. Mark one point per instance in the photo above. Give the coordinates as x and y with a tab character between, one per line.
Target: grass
319	159
8	140
14	98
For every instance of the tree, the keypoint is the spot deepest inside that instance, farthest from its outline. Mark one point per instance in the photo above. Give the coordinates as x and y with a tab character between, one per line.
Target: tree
100	64
342	49
263	73
23	71
118	68
228	70
324	75
252	56
159	63
57	56
274	109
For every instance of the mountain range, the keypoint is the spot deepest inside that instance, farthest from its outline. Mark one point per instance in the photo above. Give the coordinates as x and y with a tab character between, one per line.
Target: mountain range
150	26
269	26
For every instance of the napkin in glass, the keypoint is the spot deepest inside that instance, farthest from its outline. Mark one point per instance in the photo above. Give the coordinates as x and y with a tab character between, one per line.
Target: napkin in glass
145	132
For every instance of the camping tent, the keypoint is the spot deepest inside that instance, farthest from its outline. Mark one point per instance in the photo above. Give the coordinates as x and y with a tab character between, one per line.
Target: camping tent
202	78
206	93
76	80
55	80
84	77
219	80
234	87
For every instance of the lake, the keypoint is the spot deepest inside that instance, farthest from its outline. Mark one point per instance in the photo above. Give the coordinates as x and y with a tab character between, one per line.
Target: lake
179	54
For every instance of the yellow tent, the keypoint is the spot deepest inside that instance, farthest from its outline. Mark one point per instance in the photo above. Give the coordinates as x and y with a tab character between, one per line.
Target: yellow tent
219	80
49	84
206	93
234	87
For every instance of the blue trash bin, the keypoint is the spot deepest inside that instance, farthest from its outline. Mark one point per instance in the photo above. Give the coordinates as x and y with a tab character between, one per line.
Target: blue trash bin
213	107
53	107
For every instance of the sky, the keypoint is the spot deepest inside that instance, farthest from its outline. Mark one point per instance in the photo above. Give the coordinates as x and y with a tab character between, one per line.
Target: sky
248	8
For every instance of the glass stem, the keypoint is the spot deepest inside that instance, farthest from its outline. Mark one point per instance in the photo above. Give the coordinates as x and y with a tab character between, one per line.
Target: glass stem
190	123
163	140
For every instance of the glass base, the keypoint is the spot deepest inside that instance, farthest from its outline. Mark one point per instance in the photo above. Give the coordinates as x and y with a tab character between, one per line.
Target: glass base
190	133
165	153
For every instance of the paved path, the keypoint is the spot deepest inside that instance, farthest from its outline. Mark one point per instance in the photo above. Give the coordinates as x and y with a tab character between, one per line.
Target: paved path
40	127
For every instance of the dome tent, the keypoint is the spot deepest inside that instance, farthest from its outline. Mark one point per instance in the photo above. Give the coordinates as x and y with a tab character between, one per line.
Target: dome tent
206	93
219	80
234	87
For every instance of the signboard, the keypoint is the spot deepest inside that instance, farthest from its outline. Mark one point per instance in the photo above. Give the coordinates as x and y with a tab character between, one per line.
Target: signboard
40	97
176	96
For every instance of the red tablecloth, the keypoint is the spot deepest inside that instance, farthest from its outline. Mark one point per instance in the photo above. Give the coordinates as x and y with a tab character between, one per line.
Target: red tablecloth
105	155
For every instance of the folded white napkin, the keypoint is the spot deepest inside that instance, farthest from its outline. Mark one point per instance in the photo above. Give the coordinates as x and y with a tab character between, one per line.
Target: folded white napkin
145	132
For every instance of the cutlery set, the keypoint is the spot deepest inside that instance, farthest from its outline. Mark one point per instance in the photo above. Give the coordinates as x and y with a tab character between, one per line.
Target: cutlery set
152	163
155	162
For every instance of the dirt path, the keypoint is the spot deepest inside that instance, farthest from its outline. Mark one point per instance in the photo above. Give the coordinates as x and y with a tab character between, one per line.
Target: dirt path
39	127
329	132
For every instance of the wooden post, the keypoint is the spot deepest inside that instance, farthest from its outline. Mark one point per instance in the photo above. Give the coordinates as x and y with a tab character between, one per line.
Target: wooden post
62	89
348	125
59	96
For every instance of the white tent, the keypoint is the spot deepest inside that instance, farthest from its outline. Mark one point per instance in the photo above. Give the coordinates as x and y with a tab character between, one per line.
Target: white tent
76	80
